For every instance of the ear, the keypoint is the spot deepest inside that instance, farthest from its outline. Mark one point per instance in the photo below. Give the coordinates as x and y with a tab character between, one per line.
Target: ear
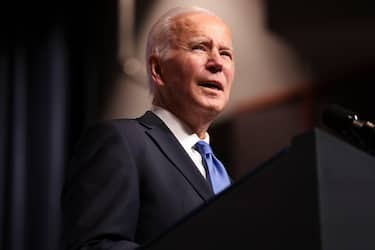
155	69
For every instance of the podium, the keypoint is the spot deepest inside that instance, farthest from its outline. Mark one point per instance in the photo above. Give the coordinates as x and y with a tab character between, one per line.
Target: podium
319	193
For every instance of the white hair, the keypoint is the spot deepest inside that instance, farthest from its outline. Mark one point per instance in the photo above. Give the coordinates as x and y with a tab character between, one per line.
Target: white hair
157	39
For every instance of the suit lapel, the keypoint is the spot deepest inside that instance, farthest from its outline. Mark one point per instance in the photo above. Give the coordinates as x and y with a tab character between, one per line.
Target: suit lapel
173	150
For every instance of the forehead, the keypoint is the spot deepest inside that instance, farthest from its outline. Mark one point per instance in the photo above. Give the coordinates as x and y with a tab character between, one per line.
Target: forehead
193	25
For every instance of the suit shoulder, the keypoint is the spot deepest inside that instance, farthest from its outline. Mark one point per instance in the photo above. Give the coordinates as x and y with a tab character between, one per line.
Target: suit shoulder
114	124
101	130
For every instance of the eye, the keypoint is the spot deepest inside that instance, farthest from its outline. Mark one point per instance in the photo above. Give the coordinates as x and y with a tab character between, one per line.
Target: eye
226	53
199	47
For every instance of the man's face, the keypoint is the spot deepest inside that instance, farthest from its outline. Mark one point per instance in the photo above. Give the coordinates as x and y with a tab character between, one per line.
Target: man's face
198	70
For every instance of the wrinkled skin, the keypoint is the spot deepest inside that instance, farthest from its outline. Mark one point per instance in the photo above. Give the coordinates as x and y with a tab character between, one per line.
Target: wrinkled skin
193	80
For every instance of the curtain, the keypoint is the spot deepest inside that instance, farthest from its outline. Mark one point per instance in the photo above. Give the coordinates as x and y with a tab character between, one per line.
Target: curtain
34	140
50	78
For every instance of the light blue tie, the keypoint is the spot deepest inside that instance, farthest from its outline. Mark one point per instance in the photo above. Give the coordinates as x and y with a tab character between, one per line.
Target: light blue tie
217	175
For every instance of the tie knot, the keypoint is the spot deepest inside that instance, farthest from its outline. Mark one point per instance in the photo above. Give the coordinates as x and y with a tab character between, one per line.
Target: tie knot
203	147
216	173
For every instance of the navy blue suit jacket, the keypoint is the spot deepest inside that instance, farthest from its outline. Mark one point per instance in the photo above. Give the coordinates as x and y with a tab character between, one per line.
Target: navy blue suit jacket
129	181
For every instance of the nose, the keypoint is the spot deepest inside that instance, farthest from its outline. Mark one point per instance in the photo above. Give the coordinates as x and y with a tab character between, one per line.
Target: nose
214	64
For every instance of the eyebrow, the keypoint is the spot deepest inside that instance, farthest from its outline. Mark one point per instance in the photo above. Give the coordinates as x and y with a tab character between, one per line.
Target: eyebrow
227	48
206	40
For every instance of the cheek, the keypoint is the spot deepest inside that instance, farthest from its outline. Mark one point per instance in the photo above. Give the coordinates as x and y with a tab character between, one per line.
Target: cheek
181	71
229	77
194	63
192	66
189	73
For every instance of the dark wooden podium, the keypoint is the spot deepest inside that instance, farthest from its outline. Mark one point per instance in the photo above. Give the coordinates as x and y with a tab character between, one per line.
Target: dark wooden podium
317	194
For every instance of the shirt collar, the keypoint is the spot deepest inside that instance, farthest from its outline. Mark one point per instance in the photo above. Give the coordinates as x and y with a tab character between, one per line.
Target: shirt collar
183	133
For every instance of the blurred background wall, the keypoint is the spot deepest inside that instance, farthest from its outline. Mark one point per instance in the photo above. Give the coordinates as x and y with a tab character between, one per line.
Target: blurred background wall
65	64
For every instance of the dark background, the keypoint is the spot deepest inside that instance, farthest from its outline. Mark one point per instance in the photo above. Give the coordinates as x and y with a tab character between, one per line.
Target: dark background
57	64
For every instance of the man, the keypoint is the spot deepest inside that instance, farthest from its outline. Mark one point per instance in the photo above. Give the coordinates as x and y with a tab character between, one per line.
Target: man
132	179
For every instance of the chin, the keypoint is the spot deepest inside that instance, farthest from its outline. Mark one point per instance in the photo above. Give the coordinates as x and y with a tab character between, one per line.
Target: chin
214	109
217	106
211	106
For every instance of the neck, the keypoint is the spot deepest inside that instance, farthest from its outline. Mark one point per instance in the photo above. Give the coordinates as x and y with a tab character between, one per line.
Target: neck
197	123
201	130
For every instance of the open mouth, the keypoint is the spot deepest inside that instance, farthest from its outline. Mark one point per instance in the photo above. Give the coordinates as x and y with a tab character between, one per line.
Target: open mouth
211	85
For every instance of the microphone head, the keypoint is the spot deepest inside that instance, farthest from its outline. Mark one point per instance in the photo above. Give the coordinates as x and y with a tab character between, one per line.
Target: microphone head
338	118
352	129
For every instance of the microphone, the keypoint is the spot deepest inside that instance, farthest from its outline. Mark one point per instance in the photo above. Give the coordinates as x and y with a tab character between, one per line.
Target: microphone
350	125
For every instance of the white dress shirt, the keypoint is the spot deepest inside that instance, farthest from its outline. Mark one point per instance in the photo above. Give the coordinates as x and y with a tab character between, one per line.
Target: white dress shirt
184	135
